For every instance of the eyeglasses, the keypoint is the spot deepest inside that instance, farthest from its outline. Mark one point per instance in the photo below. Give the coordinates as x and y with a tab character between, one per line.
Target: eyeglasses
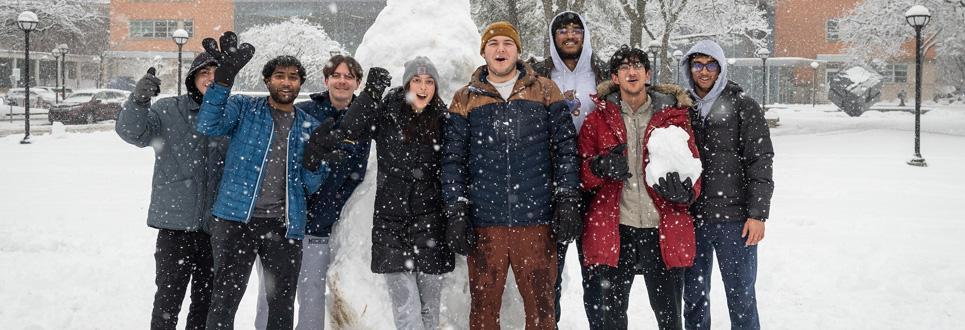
712	66
563	32
337	75
632	65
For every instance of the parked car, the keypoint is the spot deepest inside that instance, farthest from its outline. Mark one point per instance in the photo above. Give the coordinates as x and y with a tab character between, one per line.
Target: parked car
89	106
39	97
55	90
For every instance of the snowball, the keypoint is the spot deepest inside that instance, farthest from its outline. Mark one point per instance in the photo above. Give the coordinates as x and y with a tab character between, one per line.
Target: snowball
669	152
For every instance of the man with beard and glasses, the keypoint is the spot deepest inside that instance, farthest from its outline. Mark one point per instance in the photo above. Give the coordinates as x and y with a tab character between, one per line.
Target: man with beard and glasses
576	69
260	209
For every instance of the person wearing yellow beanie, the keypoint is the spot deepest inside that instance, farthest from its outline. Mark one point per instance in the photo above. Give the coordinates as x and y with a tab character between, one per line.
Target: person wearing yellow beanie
509	134
501	28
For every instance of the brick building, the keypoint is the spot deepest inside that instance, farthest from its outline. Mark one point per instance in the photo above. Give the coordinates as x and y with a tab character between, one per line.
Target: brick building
140	36
809	29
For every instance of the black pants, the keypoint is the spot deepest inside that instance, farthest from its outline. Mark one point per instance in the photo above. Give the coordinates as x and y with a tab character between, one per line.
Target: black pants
639	254
181	257
235	246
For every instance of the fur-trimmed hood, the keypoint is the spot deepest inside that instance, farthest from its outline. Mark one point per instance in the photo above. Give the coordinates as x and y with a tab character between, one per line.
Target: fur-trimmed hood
607	90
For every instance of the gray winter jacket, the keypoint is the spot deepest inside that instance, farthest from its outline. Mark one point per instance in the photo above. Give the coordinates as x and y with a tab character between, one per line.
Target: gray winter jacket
187	165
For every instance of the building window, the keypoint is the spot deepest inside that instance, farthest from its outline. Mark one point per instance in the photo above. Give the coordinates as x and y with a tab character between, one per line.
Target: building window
832	30
158	28
894	73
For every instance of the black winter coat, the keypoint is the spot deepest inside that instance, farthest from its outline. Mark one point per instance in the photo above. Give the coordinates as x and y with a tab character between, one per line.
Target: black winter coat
737	156
409	223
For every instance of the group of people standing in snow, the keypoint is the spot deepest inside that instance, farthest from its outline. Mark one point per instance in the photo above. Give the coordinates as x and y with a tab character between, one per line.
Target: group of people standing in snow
527	158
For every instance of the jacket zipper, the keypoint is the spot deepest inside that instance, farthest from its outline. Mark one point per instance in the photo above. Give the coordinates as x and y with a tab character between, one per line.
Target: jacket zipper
254	197
288	151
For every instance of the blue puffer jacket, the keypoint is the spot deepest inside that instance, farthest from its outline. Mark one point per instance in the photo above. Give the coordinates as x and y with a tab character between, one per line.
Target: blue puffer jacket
247	121
509	158
325	205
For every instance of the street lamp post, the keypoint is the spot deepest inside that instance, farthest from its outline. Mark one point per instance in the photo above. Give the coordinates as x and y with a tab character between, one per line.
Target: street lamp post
64	50
763	54
677	55
180	37
918	16
56	53
814	83
27	21
654	48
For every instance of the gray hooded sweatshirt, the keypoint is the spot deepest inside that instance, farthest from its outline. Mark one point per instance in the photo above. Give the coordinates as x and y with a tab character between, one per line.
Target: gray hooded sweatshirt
581	79
711	48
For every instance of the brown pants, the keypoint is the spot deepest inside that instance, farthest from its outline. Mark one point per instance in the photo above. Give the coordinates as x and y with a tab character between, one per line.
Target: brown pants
531	251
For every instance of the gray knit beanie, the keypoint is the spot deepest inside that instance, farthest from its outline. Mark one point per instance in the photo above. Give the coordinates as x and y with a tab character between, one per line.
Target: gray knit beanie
420	65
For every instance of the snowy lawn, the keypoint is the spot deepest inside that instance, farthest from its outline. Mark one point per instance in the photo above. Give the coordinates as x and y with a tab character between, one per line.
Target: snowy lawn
857	238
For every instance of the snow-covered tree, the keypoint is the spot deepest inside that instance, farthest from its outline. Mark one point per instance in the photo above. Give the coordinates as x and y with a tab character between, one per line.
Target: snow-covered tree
296	37
877	30
78	23
678	23
635	22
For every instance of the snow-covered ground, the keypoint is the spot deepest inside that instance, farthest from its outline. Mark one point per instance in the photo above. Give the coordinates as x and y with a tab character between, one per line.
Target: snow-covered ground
857	238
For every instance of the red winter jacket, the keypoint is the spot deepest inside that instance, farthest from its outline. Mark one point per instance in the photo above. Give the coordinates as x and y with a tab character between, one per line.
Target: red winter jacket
603	130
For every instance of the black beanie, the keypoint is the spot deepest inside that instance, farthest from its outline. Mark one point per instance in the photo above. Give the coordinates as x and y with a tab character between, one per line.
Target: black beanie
565	19
202	60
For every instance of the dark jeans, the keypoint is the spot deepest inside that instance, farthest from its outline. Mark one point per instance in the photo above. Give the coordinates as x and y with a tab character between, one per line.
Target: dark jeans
639	254
591	293
235	246
181	257
738	268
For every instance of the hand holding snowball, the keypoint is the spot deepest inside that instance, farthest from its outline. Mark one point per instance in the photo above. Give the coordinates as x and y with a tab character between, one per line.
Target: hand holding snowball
672	166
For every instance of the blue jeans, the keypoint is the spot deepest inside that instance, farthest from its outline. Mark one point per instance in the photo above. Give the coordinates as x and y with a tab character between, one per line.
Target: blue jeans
738	268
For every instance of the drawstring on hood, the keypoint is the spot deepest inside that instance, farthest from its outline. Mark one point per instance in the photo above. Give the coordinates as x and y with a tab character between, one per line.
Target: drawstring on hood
712	49
581	79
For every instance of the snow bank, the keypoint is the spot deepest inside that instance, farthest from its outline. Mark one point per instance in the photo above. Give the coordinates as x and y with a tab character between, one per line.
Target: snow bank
669	152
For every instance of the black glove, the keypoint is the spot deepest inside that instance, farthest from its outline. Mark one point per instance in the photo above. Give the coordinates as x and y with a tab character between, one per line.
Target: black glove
376	82
613	165
322	146
460	235
671	189
567	220
231	57
149	86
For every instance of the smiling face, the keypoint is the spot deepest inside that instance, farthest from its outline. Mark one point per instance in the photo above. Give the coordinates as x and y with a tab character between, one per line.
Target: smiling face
421	89
284	84
204	77
569	41
705	78
501	56
342	84
632	77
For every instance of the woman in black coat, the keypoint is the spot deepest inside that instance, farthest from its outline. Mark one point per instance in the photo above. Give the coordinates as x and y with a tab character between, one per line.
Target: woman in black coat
408	236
